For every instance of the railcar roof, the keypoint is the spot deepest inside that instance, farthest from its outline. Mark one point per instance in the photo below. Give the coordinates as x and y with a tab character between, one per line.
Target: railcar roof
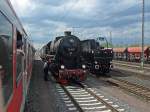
119	50
7	9
136	49
131	49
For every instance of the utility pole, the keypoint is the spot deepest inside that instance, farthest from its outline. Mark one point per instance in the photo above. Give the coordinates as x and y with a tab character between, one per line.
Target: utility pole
142	54
111	39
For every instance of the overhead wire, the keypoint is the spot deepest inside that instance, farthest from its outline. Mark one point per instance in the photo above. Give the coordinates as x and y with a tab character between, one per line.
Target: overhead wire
68	11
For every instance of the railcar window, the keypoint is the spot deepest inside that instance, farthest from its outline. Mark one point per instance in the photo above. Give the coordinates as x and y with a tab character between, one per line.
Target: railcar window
19	40
20	56
28	58
25	41
19	65
28	54
6	57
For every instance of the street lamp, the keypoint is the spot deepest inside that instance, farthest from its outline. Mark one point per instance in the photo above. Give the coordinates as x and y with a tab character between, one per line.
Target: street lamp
142	56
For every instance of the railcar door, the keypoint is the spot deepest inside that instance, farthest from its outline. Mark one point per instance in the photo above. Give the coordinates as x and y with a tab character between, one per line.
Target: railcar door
25	66
1	97
20	55
6	59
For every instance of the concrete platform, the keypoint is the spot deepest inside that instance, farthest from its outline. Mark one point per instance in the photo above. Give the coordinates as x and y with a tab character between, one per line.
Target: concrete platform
42	95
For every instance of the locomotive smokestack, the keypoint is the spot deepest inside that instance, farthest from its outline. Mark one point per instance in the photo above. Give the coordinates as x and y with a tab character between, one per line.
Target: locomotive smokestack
67	33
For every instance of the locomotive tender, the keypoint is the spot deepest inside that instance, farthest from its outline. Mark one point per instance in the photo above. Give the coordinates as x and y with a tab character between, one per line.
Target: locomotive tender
67	63
98	59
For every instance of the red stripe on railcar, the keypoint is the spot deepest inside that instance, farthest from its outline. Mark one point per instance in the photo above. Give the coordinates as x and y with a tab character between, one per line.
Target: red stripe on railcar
16	102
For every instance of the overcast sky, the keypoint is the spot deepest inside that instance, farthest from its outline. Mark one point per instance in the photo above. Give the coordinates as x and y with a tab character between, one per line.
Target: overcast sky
45	19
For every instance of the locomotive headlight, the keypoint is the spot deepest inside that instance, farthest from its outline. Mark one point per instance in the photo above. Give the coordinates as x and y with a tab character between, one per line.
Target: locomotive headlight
83	66
95	62
62	67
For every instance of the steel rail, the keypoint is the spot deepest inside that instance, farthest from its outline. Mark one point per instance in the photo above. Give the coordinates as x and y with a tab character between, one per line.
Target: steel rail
136	89
108	106
136	65
72	99
101	100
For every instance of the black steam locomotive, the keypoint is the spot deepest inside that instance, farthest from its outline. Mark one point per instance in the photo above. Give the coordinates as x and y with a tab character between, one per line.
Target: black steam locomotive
98	59
45	51
66	62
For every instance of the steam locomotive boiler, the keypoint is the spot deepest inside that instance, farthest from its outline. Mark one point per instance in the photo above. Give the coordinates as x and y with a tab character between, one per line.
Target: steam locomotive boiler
67	63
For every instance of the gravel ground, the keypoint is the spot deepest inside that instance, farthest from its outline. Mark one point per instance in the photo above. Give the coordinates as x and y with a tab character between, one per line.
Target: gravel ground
120	97
131	63
131	77
132	70
43	96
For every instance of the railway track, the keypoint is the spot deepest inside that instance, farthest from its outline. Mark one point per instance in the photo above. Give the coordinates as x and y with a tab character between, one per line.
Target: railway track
131	87
131	65
86	99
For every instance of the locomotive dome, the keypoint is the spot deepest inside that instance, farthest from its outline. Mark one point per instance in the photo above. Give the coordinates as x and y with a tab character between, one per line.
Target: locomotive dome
67	33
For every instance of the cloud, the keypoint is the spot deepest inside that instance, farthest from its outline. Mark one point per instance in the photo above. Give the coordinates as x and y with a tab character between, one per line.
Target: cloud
45	19
23	7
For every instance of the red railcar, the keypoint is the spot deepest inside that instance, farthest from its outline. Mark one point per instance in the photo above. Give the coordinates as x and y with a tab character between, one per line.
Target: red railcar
132	54
120	53
16	55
